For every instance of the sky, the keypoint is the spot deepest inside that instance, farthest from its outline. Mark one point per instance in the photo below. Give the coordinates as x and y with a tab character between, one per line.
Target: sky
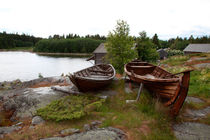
167	18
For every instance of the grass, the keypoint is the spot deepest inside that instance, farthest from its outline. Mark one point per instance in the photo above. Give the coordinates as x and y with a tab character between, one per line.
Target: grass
146	119
200	83
176	60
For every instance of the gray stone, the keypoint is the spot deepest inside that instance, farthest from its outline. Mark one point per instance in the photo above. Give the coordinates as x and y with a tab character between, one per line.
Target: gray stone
70	131
37	120
202	65
10	105
96	134
193	100
25	102
6	130
86	127
192	131
197	114
96	122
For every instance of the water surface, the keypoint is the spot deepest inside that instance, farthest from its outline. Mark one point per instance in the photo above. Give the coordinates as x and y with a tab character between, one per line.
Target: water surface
27	66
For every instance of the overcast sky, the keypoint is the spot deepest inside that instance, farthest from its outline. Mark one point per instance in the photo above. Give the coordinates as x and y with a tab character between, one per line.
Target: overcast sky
167	18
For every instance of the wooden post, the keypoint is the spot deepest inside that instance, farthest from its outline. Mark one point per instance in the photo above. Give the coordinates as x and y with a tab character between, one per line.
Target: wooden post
139	91
138	96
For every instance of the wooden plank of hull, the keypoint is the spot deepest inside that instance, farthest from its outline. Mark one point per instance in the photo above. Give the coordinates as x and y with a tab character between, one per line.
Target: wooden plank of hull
182	93
87	85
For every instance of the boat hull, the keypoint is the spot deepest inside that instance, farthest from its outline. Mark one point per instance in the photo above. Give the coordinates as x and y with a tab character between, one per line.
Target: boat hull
93	78
171	89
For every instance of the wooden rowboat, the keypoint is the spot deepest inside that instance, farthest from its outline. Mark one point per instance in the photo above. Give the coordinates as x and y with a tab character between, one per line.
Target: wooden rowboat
170	88
94	77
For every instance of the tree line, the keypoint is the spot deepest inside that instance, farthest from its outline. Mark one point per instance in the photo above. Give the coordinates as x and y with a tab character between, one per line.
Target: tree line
11	40
76	45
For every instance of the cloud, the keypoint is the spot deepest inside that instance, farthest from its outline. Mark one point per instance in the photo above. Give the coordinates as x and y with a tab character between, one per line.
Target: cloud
48	17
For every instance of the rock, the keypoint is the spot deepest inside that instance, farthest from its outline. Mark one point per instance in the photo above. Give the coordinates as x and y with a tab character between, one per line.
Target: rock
70	131
25	102
202	65
193	100
192	131
94	123
96	134
119	132
197	114
10	105
37	120
6	130
86	127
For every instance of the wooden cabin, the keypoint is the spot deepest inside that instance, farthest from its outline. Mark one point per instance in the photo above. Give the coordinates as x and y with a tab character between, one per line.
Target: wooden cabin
99	54
197	48
162	53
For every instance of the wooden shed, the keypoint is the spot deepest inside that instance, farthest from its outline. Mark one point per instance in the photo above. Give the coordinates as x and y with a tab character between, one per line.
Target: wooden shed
99	54
197	48
162	53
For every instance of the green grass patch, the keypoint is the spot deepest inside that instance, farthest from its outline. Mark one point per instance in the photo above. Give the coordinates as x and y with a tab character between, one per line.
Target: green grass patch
176	60
200	55
134	116
70	107
200	83
177	69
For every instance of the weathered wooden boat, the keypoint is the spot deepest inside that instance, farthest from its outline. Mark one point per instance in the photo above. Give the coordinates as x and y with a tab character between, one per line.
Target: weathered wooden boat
170	88
94	77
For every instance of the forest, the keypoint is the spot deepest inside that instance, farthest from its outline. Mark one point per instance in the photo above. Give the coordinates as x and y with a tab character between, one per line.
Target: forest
74	43
11	40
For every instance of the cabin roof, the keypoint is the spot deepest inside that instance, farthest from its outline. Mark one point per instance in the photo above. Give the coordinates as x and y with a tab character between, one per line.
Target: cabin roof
197	48
100	49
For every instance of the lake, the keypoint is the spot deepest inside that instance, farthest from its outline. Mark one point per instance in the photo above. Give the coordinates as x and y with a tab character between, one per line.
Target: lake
27	66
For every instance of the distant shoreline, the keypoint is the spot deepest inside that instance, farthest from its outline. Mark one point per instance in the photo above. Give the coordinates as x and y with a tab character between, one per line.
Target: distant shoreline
50	54
64	54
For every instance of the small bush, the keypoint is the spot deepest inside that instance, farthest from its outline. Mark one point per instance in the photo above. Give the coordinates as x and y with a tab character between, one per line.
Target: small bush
172	52
70	107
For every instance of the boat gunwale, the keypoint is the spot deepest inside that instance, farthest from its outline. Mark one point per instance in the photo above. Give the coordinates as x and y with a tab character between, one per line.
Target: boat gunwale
92	79
144	78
